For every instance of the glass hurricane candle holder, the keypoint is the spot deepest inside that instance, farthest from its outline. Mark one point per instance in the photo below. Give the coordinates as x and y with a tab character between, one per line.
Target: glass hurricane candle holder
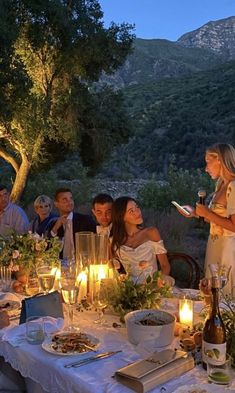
186	312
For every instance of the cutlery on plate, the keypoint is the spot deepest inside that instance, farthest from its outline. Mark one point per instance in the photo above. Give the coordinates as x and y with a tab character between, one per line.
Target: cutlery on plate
82	362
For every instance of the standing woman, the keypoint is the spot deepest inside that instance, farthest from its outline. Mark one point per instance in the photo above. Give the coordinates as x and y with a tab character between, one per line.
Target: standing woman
220	165
137	248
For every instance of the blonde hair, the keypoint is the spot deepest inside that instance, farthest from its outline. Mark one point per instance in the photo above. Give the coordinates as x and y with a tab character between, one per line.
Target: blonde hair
225	154
42	199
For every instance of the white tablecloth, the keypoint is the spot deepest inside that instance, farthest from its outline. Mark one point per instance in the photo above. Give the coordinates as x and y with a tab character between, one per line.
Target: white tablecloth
47	373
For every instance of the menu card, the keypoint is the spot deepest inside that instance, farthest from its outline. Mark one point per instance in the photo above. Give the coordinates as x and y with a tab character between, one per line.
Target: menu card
144	375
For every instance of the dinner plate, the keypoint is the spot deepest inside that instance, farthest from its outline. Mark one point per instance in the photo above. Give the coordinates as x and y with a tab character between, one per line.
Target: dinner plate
48	346
11	306
202	388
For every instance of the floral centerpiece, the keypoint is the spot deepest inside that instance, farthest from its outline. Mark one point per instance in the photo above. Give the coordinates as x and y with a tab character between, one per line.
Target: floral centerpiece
128	295
23	252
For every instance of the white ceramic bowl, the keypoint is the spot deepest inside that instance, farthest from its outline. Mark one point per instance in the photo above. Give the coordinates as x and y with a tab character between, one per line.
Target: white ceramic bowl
160	335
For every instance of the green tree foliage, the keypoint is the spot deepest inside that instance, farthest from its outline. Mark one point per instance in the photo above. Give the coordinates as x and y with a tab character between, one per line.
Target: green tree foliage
51	48
180	185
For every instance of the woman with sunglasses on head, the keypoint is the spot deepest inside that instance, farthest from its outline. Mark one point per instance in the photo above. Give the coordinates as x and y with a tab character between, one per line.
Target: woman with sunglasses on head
44	218
136	247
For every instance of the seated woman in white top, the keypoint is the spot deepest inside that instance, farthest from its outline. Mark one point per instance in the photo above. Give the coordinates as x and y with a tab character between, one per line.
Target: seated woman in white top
137	248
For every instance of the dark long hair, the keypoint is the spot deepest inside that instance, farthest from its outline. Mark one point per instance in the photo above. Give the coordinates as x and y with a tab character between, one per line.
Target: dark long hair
119	233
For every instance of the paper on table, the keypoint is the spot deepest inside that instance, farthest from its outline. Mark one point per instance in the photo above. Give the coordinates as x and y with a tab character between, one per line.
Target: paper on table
17	335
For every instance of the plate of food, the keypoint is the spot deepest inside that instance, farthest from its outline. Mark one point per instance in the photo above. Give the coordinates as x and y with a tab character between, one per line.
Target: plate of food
11	306
71	343
201	388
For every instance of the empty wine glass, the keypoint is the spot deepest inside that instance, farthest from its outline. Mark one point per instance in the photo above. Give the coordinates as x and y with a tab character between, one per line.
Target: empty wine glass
5	278
46	277
222	272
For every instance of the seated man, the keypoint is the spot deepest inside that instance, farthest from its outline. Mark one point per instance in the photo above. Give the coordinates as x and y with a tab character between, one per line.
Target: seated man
12	217
102	210
69	222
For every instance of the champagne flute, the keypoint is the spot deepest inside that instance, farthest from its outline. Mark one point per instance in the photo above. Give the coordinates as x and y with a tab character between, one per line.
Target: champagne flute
46	278
70	285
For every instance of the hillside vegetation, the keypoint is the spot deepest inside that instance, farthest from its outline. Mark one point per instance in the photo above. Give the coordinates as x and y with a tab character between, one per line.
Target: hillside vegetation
176	119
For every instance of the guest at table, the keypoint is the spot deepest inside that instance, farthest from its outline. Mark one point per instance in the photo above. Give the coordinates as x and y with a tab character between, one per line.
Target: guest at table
69	222
102	210
220	165
12	217
136	247
45	218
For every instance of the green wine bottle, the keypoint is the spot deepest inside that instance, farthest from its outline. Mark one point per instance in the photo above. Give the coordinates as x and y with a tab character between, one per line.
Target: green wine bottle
214	335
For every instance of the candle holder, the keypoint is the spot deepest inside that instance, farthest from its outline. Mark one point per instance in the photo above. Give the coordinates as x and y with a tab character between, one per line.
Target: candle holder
186	312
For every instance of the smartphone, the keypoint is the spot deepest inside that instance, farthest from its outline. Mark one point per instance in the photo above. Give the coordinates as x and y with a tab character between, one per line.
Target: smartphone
183	209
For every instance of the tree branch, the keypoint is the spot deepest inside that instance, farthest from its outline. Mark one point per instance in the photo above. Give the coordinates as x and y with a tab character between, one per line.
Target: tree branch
11	160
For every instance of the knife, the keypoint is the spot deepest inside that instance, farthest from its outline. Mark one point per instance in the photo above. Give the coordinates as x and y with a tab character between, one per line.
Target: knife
82	362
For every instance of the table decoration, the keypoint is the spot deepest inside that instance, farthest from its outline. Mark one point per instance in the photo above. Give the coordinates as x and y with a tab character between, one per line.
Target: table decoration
228	316
127	295
22	253
186	312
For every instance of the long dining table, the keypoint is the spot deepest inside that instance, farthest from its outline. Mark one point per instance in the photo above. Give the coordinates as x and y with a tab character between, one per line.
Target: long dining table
46	372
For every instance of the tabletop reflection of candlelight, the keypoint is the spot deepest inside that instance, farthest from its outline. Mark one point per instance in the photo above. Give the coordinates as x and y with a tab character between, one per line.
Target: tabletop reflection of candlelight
186	312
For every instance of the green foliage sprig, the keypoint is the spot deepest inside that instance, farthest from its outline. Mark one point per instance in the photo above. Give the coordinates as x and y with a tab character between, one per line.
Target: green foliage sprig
129	295
228	316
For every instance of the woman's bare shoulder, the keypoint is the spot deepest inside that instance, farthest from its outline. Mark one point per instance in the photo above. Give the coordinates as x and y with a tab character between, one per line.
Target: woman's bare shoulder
153	234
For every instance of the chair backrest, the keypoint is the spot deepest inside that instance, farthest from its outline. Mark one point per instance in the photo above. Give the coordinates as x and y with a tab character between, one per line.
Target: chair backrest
184	269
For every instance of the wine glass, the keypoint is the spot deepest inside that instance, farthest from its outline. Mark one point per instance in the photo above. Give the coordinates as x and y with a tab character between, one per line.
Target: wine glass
100	302
46	278
222	272
70	284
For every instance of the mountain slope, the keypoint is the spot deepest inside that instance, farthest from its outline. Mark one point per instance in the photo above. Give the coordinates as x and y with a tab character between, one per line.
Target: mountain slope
178	118
218	36
157	59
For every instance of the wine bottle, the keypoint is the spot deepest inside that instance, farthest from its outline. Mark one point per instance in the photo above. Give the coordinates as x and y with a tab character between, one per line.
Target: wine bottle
214	335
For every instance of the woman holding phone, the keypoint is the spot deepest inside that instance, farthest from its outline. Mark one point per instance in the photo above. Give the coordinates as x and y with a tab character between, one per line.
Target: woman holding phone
220	165
136	247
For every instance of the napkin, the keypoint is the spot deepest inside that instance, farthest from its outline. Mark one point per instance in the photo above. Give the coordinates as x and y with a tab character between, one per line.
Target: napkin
17	335
9	296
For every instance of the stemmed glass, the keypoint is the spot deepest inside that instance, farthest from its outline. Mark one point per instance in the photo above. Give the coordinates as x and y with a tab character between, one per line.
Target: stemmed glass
100	302
70	285
222	272
46	277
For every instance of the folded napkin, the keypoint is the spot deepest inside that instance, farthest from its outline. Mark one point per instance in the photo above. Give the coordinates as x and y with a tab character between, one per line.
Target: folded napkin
17	335
9	296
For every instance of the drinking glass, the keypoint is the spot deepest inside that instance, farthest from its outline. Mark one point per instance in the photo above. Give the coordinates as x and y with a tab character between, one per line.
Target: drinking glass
220	375
46	276
70	284
35	330
5	275
100	302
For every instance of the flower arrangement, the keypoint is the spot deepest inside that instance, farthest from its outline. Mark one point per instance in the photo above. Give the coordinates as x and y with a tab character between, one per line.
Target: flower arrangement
128	295
24	251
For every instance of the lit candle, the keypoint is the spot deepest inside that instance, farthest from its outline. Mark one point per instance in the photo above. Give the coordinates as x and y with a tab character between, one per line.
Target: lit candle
82	278
186	312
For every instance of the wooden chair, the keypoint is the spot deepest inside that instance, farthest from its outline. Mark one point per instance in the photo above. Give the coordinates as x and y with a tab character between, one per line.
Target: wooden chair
184	269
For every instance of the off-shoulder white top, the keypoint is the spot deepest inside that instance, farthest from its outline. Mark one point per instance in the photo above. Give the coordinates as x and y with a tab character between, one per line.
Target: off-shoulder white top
145	252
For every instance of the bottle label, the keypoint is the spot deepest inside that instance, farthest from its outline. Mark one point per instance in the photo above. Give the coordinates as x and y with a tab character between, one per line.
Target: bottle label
213	353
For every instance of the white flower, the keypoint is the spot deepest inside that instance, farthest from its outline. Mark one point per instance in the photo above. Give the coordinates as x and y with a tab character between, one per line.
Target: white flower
15	254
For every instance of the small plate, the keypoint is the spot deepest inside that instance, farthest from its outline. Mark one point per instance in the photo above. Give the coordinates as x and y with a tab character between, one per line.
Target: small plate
48	346
201	388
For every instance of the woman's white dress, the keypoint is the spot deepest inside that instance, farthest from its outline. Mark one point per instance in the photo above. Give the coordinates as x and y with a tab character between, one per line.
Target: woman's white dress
145	252
221	242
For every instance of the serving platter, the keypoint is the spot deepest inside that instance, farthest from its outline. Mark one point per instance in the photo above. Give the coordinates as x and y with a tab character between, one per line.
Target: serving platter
71	344
11	306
